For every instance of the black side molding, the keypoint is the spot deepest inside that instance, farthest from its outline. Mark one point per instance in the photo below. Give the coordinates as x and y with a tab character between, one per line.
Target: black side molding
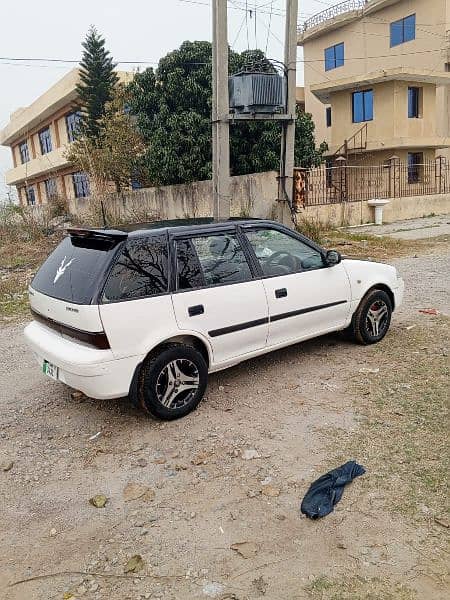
286	315
233	328
302	311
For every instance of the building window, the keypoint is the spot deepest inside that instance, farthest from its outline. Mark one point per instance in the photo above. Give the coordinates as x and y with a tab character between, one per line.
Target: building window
414	98
45	140
72	125
328	116
51	189
24	153
362	106
329	172
30	195
80	185
403	30
334	57
415	167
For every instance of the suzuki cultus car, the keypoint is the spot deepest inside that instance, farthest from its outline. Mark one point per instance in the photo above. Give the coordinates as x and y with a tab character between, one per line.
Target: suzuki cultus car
148	312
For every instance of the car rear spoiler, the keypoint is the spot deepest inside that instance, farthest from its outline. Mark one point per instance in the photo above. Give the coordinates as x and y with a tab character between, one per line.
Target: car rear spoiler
105	234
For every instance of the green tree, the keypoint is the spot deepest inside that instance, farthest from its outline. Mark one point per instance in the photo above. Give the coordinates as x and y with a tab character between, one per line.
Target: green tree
97	82
173	110
115	154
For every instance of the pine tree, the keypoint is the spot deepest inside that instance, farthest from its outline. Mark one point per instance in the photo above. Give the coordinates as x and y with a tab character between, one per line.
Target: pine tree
97	81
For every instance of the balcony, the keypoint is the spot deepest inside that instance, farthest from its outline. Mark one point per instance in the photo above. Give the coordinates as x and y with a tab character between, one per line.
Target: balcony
37	167
331	13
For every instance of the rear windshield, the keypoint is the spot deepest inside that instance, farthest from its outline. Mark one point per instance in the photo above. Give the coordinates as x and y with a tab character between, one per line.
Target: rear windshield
75	270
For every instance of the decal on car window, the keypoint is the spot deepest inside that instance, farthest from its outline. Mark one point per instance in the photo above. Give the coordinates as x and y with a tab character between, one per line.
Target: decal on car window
62	268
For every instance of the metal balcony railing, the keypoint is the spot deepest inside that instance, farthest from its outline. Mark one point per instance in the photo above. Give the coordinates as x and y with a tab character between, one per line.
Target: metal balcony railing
331	13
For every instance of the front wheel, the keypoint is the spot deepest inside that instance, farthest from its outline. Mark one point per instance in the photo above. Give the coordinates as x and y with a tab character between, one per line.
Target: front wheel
372	319
173	381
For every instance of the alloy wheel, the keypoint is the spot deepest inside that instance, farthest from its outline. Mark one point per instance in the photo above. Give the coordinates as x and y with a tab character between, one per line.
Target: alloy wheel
377	318
177	383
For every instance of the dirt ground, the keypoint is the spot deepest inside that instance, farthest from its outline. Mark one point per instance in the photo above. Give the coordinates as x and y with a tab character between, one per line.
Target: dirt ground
235	471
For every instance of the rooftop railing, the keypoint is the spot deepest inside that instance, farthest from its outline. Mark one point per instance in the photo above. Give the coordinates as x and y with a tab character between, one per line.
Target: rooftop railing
331	13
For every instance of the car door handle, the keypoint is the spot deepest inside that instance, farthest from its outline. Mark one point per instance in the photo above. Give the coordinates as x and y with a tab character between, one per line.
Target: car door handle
281	293
198	309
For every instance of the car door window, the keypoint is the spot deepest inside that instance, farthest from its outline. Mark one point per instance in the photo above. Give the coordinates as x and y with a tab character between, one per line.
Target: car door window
189	271
282	254
140	271
216	259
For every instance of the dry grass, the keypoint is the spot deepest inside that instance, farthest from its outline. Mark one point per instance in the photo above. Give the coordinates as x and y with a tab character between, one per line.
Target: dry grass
357	245
358	588
403	438
18	262
381	247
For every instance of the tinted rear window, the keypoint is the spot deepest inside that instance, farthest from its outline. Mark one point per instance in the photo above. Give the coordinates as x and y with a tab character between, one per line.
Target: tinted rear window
75	270
140	272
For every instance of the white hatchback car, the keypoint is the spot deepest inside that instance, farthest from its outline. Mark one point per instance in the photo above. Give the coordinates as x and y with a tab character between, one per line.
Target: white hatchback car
150	310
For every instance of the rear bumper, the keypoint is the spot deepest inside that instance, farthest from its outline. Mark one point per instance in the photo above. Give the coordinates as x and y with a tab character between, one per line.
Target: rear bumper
94	372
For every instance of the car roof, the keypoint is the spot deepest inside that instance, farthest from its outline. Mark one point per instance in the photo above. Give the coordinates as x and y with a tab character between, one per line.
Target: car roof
181	225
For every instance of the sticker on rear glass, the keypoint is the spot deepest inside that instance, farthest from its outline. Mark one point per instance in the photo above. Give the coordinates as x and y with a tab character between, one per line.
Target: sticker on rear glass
62	268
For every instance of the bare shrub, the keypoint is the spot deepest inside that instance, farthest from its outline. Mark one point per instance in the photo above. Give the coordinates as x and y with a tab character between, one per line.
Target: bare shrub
313	228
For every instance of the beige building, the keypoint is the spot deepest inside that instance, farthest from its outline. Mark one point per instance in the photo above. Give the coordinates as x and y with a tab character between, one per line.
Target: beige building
377	76
38	136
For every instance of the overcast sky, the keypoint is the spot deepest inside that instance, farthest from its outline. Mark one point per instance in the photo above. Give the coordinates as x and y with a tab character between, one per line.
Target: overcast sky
135	30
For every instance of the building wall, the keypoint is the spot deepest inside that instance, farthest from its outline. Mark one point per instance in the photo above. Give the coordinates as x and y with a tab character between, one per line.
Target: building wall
367	49
49	110
391	125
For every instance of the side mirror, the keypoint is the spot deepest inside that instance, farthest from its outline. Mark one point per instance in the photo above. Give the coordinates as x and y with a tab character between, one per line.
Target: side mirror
332	258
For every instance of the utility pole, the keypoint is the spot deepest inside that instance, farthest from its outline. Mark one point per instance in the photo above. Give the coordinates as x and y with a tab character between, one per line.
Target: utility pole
287	162
220	112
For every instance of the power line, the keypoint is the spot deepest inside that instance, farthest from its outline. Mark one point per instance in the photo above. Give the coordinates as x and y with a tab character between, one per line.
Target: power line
268	29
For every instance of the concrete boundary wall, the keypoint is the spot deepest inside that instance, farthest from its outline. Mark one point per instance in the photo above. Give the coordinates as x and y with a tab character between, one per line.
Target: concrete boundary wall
252	196
398	209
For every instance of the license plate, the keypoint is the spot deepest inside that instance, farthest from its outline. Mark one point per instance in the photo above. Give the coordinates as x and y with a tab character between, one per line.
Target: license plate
50	370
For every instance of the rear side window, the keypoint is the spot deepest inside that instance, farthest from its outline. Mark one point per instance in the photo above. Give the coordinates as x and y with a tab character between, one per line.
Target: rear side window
74	271
189	272
141	270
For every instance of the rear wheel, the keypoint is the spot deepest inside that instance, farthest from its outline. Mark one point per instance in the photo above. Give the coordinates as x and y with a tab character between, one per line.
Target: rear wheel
173	381
372	319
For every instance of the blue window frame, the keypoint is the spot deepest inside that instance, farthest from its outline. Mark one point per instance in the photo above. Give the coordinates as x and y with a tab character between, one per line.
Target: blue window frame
328	116
51	189
362	106
81	185
30	195
45	140
334	57
24	153
72	124
403	30
414	102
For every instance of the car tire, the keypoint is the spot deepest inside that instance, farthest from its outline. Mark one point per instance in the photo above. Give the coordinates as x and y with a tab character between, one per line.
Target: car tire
372	319
172	381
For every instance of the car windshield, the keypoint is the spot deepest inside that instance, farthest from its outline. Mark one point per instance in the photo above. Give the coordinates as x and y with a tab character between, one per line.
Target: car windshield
75	270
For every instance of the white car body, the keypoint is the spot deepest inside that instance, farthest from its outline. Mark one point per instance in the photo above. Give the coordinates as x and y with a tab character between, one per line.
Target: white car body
240	321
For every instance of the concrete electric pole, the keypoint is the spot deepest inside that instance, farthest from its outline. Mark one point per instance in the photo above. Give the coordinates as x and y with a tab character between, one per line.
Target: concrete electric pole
220	113
221	110
287	161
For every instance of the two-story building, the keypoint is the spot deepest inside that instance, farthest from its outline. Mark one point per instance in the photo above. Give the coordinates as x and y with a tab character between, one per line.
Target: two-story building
38	136
377	76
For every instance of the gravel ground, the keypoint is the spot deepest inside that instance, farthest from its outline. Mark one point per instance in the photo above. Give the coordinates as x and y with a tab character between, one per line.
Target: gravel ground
234	472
